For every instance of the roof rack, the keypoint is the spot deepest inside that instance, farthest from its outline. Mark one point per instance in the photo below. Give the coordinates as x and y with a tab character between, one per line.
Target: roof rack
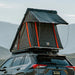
39	50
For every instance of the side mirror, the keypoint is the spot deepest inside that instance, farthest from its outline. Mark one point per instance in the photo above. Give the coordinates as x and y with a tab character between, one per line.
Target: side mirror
2	69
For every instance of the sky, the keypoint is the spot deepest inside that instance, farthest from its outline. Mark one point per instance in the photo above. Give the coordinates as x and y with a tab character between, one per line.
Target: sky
13	10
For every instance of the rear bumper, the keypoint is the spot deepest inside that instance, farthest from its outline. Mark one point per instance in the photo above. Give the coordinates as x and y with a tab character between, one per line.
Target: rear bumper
50	72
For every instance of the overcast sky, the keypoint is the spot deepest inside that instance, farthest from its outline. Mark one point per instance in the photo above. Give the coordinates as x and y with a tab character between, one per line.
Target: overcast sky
13	10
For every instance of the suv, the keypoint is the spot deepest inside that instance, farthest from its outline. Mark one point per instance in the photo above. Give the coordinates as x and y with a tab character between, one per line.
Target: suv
36	64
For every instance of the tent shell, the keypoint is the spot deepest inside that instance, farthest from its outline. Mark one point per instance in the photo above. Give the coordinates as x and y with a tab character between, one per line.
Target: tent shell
32	18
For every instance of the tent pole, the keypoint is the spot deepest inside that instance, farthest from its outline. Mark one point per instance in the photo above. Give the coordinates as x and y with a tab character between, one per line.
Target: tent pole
28	34
18	41
37	35
55	36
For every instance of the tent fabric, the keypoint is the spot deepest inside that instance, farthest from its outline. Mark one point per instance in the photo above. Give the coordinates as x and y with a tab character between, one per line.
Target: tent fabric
44	20
45	34
43	16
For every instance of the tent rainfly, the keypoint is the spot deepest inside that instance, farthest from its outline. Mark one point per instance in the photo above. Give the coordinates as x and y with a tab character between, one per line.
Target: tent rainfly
38	30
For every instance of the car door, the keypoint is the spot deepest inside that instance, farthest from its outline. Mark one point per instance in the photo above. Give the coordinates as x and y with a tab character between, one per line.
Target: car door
6	67
16	65
20	65
25	65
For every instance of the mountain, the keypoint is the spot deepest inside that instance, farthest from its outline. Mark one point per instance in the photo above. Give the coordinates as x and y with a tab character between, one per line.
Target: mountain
67	35
4	53
7	33
71	58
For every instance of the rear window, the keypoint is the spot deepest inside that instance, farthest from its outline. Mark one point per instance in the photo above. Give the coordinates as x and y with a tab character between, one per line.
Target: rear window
52	61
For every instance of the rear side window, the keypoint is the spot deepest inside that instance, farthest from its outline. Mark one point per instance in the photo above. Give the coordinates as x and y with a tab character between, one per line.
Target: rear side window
26	60
17	61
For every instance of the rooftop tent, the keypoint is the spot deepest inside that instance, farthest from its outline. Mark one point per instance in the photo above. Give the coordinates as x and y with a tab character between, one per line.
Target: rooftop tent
38	30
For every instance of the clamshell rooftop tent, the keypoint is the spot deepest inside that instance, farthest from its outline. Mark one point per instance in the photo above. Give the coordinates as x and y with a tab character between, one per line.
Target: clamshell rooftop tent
38	30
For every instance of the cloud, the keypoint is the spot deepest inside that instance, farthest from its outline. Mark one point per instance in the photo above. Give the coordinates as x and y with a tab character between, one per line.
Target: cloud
70	18
2	5
72	15
69	15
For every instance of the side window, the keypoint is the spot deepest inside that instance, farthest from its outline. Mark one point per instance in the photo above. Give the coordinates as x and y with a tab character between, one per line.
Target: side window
17	61
26	60
7	64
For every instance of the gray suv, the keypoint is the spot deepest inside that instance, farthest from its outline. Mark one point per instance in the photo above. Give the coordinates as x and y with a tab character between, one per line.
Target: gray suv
36	64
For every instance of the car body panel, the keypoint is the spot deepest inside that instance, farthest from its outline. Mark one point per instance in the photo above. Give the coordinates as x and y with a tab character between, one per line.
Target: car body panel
46	65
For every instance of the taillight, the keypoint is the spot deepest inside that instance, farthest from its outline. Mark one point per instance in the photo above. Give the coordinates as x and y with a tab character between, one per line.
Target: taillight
71	67
38	66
